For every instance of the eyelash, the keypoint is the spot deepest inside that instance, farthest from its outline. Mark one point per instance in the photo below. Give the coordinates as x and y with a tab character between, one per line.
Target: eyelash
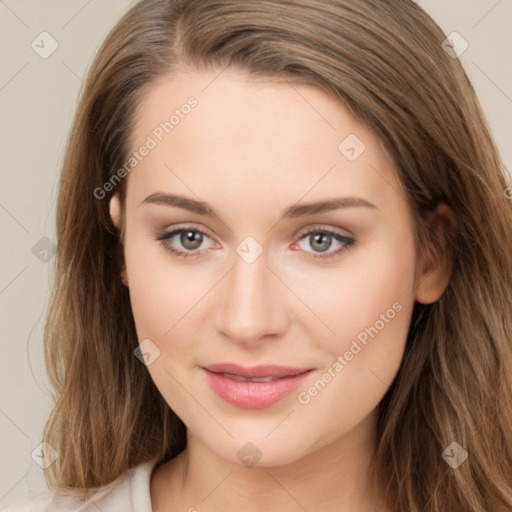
346	241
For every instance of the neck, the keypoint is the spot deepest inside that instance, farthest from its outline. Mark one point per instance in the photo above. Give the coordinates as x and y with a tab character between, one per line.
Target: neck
331	478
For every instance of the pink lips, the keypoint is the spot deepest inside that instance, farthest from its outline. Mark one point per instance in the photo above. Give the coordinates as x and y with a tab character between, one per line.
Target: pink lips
253	388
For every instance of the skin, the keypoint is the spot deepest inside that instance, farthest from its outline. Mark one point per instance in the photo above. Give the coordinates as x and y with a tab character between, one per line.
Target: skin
252	148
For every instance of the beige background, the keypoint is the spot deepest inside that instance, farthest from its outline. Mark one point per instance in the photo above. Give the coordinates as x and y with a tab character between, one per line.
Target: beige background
37	101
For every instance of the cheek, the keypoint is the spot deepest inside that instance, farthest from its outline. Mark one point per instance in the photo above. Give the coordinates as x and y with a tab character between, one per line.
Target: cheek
161	292
370	313
375	280
371	320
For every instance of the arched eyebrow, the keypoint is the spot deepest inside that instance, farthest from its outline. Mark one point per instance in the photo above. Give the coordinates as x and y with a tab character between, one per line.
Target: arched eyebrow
294	211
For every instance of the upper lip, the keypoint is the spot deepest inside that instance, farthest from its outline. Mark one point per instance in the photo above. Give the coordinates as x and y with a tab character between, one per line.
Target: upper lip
265	370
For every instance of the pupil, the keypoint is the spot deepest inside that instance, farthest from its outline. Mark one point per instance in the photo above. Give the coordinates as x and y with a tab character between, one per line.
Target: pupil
318	238
191	239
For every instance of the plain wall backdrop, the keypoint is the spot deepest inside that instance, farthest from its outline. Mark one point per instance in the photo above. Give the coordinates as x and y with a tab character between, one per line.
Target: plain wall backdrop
47	48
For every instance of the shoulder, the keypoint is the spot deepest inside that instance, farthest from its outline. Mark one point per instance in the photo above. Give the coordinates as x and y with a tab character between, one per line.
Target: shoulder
129	492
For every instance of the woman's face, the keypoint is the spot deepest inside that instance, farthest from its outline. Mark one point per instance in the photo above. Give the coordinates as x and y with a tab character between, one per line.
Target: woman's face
266	278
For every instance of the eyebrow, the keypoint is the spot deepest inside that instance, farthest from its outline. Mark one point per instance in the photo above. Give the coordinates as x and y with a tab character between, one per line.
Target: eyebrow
297	210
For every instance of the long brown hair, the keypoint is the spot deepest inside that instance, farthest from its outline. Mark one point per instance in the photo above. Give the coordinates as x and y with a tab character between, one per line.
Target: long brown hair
385	62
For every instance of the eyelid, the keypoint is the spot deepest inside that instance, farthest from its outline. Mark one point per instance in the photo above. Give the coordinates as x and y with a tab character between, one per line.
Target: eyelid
323	227
183	227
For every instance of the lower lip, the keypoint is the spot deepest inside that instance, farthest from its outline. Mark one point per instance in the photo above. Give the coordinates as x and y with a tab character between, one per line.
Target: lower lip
253	395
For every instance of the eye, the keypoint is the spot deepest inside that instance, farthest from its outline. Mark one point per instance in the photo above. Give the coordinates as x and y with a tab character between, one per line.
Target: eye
321	240
189	238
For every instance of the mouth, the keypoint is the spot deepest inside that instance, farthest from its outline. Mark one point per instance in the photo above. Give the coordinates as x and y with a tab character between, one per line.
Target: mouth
263	371
256	387
239	378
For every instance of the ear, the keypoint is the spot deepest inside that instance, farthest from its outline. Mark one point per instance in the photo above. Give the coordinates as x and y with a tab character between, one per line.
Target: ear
115	215
115	210
436	261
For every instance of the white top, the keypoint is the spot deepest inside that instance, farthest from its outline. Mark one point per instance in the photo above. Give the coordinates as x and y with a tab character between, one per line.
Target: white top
129	492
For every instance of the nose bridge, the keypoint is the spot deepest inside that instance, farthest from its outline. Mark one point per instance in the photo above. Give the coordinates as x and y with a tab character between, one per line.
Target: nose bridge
250	305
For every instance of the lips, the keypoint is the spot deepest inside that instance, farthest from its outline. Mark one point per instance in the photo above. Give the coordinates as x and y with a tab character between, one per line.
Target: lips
256	387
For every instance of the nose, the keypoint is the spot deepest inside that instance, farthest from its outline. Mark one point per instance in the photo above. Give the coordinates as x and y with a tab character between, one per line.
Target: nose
252	302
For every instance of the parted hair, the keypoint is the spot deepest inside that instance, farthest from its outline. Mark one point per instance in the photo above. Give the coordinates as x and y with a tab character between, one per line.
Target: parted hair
385	62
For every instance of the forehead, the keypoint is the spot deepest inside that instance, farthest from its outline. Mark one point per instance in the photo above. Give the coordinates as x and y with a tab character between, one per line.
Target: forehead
228	131
262	107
